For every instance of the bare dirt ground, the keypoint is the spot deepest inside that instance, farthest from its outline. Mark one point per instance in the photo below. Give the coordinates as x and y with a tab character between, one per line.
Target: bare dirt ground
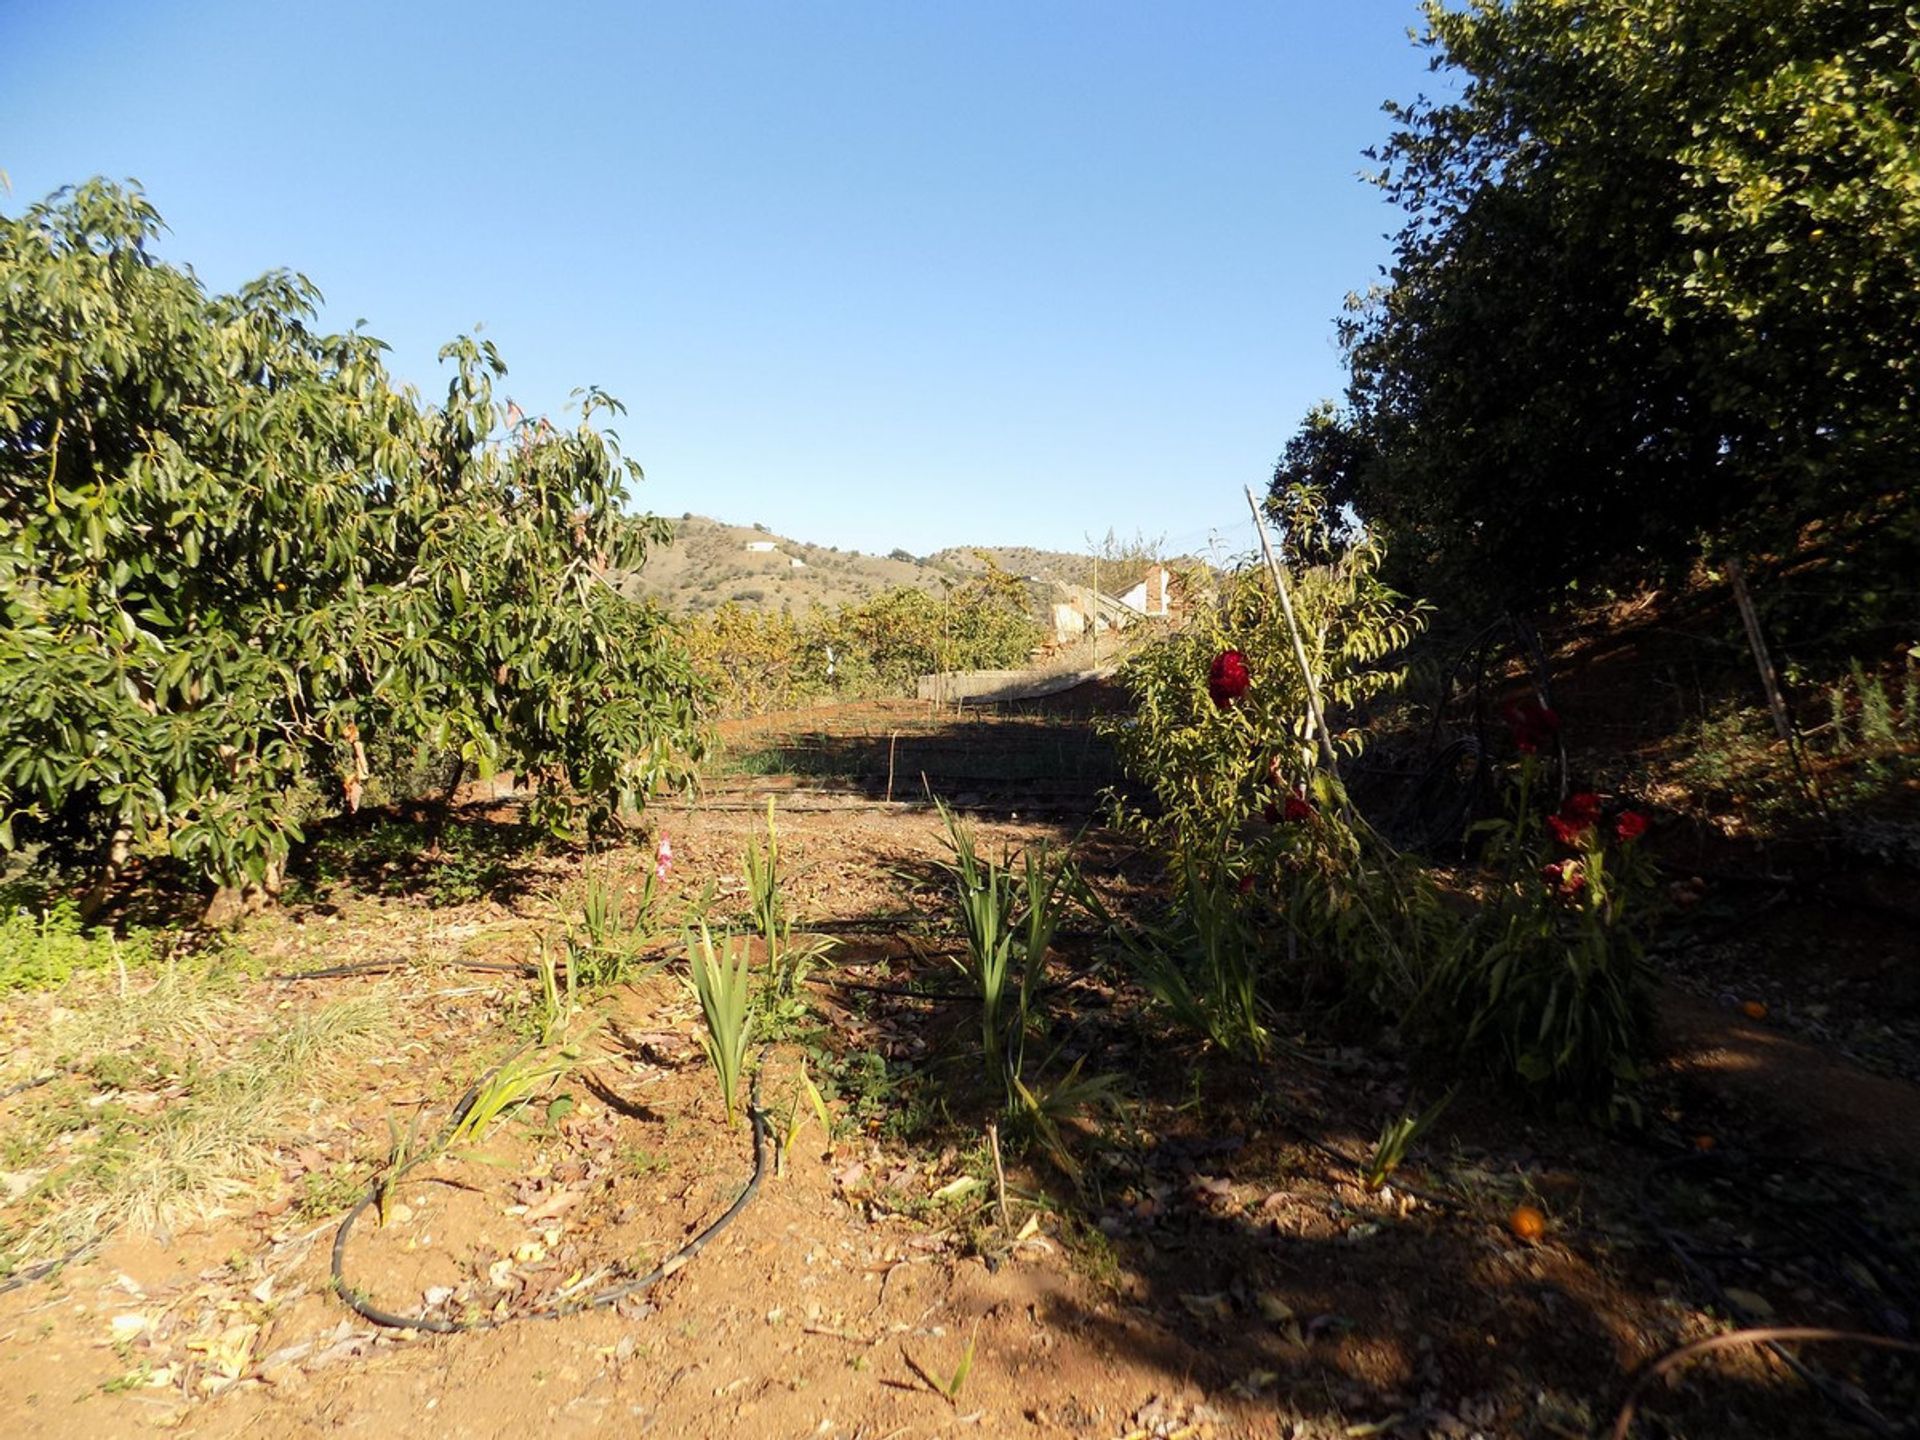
1215	1269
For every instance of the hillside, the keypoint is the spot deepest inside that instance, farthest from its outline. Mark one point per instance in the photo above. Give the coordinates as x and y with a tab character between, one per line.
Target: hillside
709	564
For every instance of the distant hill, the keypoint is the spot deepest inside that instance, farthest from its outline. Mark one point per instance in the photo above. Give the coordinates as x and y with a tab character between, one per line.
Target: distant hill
711	562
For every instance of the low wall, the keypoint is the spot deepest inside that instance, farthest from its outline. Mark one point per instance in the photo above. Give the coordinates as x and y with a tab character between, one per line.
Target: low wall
961	686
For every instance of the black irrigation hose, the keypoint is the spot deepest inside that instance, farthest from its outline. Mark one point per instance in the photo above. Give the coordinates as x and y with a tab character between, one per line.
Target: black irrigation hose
599	1300
388	967
44	1268
908	992
1825	1233
34	1084
1771	1336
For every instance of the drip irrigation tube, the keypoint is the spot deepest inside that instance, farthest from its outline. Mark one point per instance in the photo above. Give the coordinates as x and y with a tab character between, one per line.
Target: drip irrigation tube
599	1300
45	1268
1824	1229
34	1084
388	967
1771	1336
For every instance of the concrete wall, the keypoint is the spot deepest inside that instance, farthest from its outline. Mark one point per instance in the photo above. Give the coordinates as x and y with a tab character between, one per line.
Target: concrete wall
965	685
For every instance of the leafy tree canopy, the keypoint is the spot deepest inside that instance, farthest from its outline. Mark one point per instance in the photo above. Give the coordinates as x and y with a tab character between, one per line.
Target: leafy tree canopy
1660	278
234	552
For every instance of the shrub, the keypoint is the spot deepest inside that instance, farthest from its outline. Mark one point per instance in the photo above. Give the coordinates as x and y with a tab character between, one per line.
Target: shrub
1218	758
235	554
1543	983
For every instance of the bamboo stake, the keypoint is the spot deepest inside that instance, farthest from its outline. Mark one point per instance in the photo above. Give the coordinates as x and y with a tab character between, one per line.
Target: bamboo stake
1314	711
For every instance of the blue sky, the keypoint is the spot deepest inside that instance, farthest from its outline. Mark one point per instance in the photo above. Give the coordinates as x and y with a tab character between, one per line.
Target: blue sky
871	274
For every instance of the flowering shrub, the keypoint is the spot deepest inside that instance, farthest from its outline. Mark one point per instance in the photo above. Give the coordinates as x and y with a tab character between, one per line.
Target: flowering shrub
1535	726
1254	835
1544	981
1228	679
1221	728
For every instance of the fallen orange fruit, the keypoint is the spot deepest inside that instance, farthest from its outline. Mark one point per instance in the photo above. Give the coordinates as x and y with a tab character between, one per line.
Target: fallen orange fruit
1527	1223
1754	1010
1703	1143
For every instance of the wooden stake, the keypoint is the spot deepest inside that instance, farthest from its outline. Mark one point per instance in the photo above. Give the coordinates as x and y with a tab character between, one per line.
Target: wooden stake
1770	680
892	740
1749	617
999	1175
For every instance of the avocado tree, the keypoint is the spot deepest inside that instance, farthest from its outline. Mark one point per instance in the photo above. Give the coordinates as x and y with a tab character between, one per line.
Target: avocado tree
234	552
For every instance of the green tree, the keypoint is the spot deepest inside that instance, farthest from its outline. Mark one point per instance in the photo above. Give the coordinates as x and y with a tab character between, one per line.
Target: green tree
234	553
1659	277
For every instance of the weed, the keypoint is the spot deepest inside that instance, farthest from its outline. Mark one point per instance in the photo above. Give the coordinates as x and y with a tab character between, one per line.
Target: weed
312	1037
1091	1251
40	951
950	1388
1397	1136
639	1160
331	1191
614	934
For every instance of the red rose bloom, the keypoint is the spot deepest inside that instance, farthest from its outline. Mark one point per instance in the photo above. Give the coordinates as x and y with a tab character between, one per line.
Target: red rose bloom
1228	679
1533	724
1582	805
1246	884
1297	807
1570	830
1631	825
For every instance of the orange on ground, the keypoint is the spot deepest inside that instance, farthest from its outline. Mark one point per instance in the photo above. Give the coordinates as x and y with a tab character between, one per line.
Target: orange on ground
1527	1223
1754	1010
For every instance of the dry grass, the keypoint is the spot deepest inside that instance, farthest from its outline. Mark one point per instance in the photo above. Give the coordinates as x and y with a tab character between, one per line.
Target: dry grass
175	1095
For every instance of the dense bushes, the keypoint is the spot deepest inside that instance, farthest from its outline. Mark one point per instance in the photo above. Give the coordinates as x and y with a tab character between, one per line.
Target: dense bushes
235	555
757	661
1526	965
1657	286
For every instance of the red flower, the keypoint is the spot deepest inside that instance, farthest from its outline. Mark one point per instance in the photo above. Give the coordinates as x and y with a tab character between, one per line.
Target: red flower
1578	814
1630	826
1246	883
1582	805
1533	724
1568	877
1228	679
1297	807
1570	830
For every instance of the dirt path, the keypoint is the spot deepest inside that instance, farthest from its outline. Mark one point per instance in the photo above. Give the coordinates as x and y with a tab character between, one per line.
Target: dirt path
1785	1094
1219	1271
